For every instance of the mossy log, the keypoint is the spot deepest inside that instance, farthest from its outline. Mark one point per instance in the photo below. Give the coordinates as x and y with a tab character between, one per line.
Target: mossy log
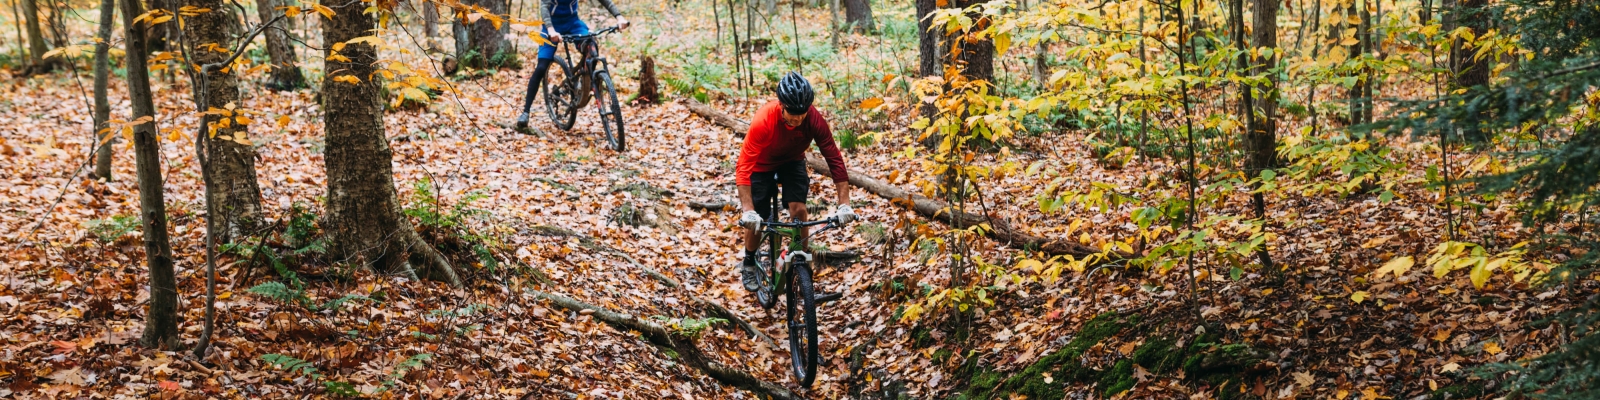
684	345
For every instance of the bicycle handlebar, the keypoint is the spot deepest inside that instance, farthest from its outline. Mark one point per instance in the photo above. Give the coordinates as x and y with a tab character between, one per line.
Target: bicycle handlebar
591	34
832	222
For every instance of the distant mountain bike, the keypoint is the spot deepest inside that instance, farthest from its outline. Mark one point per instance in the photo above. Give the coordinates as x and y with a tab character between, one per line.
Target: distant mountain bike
786	268
564	95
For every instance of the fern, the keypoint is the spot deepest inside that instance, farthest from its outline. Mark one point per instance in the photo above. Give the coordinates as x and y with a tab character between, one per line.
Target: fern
412	363
336	304
291	364
279	292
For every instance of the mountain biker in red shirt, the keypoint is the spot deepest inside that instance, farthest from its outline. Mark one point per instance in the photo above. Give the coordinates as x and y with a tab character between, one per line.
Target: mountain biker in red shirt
773	155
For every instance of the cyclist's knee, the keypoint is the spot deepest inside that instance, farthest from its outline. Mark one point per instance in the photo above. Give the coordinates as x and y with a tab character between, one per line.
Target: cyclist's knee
798	210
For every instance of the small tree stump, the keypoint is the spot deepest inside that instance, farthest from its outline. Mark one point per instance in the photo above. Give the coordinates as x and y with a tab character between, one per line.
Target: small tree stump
649	87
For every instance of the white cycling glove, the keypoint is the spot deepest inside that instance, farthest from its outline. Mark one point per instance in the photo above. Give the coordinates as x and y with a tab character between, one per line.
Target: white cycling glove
750	220
844	214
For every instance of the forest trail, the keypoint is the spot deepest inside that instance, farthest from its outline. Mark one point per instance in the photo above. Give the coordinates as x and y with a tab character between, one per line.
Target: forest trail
587	270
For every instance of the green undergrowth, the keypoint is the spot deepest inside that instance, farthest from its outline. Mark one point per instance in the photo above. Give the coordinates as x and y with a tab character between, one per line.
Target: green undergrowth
1203	359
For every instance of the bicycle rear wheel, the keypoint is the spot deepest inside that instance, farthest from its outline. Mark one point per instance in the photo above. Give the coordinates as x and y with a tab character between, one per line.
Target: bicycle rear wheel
802	321
767	263
610	111
560	95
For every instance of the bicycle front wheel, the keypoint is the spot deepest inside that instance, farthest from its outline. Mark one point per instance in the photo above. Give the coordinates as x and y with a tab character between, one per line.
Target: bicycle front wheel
560	95
610	111
767	262
802	320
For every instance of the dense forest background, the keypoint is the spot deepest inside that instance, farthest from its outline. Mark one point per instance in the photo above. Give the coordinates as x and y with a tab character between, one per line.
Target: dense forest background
1060	199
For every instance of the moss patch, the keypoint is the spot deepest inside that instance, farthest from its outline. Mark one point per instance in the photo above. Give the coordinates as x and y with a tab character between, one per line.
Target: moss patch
1159	355
1061	366
1119	379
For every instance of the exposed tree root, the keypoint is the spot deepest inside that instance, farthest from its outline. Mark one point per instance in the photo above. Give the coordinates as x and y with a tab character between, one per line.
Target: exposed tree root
1002	230
688	352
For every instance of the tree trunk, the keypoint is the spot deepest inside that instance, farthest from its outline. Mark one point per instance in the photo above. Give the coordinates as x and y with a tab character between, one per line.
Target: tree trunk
477	43
364	219
430	22
1261	136
1466	70
285	74
858	15
36	44
161	321
234	188
927	42
977	58
102	78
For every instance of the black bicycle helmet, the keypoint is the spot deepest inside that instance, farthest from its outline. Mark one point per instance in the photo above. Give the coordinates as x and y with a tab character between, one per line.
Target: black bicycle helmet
794	93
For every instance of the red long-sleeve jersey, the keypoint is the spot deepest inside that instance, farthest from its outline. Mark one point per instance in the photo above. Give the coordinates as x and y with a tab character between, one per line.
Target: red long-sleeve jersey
771	143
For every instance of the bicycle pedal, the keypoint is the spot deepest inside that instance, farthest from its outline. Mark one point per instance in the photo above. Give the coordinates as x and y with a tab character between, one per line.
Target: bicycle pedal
828	297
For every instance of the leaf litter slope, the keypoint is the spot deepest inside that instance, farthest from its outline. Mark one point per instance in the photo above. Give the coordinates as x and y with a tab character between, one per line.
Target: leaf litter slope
74	301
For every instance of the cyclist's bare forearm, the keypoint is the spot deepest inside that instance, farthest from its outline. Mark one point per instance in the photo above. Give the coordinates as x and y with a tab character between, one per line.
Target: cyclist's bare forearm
844	192
746	200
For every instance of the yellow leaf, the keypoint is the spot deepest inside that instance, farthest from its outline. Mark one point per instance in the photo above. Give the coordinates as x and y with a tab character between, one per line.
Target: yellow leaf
1492	348
351	79
1030	265
324	10
1399	266
242	120
1451	367
290	12
887	78
283	121
1359	296
871	103
238	137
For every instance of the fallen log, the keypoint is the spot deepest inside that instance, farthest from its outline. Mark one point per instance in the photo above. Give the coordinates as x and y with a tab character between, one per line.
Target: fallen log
713	205
684	345
1000	229
711	307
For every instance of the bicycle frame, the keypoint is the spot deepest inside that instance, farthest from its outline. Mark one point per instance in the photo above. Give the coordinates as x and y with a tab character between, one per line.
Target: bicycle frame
588	47
780	272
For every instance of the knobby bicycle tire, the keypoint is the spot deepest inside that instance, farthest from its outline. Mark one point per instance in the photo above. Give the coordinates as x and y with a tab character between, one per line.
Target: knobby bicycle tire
802	322
559	97
767	265
610	111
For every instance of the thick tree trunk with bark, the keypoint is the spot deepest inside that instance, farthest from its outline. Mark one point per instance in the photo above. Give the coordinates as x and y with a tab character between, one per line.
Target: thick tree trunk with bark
479	42
858	16
285	74
927	42
430	22
161	321
1261	137
1466	70
36	44
102	78
233	188
364	219
976	59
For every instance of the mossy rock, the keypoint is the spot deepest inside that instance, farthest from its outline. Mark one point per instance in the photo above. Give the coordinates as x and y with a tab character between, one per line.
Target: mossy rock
1119	379
1062	366
1467	390
1159	355
1227	359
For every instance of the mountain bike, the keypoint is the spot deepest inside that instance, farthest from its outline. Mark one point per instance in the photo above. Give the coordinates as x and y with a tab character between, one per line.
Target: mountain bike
564	95
787	269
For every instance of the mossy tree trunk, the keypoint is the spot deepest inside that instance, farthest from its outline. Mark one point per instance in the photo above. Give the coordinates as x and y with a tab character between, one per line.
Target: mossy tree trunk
364	219
161	320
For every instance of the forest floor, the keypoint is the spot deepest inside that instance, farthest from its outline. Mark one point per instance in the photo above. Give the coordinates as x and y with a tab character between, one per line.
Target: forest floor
567	215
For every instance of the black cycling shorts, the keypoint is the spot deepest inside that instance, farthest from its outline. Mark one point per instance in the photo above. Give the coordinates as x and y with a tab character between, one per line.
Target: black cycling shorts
764	187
